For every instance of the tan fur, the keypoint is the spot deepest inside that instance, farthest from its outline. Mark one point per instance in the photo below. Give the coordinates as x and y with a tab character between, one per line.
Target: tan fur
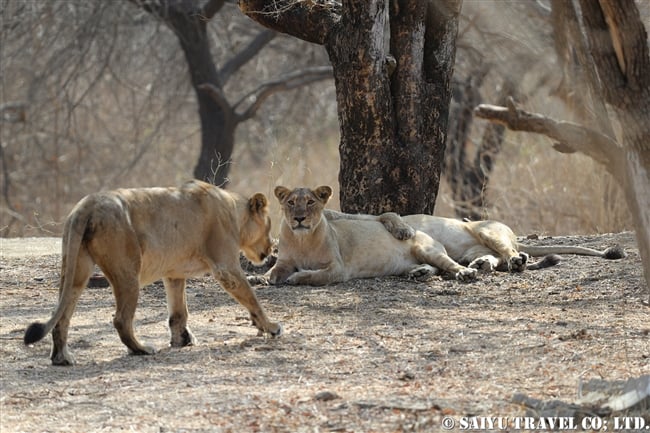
489	245
315	251
138	236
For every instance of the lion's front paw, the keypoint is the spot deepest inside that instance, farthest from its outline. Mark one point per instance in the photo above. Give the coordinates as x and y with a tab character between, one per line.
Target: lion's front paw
422	272
303	278
518	263
292	280
258	280
279	274
485	263
467	274
404	233
143	350
274	331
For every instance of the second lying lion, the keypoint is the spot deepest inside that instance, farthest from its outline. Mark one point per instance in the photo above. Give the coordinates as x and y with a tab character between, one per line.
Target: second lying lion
315	251
485	245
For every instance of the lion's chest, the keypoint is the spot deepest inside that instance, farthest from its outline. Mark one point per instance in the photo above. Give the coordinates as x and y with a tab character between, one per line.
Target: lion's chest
314	258
307	251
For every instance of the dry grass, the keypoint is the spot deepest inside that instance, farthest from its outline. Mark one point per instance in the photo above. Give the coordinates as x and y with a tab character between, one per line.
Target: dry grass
533	188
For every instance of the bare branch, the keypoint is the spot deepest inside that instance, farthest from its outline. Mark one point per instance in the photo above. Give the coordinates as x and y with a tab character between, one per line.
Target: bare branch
287	82
570	135
254	47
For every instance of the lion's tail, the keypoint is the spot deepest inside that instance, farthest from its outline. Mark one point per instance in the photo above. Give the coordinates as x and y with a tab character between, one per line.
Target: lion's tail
73	233
615	252
548	261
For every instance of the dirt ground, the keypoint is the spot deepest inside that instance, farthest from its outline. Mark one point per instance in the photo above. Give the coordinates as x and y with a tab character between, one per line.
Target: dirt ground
375	355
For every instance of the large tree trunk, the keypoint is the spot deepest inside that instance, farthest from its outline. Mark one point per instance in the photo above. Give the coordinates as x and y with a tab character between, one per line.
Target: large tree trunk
619	47
637	195
363	94
393	126
393	100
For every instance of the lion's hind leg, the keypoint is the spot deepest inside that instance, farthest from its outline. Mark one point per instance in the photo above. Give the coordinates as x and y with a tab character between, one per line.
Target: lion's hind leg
124	278
428	250
502	242
396	226
178	312
126	289
60	354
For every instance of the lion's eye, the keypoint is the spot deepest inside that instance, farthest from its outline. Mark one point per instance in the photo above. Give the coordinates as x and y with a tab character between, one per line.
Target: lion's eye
291	202
310	202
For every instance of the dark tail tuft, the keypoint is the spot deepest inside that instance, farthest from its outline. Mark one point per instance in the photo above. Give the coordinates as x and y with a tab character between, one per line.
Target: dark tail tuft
615	252
546	262
35	332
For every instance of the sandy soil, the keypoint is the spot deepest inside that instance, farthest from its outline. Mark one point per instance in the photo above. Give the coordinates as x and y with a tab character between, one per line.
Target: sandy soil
375	355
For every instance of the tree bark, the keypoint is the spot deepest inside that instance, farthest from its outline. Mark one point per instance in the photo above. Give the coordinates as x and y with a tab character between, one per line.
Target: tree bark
365	107
392	100
618	42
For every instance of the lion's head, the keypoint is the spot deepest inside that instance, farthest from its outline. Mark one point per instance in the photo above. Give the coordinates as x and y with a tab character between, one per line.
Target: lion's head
256	243
303	207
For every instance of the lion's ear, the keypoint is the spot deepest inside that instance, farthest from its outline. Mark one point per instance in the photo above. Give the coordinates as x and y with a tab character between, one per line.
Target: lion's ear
323	193
258	203
281	192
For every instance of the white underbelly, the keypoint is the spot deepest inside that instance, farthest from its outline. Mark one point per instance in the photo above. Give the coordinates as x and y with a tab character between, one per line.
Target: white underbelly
156	267
374	264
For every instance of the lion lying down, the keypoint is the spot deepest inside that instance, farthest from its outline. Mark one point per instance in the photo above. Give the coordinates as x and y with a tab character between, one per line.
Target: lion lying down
491	245
320	246
315	251
138	236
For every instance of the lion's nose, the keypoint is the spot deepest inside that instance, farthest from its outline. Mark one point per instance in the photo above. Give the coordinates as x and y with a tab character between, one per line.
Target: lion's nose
299	219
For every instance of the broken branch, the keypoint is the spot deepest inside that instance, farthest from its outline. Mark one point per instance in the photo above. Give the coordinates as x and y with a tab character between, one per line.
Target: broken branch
571	136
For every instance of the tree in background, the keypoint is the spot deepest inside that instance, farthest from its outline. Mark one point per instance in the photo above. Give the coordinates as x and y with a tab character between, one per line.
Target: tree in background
219	118
393	98
467	172
604	45
493	62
